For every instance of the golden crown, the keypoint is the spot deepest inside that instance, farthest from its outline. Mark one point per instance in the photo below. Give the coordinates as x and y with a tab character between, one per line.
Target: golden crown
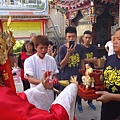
7	41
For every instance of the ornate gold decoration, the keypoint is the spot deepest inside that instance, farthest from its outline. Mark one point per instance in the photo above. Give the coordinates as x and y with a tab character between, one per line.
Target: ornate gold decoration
73	14
114	12
92	12
5	76
7	41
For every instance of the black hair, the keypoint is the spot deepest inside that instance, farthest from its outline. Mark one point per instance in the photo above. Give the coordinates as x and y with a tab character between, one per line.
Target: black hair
41	39
71	29
50	43
27	42
87	32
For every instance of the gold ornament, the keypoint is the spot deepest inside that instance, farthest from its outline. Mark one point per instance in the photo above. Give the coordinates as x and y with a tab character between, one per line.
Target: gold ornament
7	41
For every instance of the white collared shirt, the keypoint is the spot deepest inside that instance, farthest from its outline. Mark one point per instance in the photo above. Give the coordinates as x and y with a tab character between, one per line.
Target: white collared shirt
35	66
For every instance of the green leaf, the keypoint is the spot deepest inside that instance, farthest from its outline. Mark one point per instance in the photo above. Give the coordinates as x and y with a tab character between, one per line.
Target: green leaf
18	46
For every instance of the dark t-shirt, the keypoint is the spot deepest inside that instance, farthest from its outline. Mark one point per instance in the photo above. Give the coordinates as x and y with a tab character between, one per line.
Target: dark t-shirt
74	63
111	110
90	53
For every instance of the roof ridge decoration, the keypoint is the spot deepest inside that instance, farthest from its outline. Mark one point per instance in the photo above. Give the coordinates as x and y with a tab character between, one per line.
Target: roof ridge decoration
71	4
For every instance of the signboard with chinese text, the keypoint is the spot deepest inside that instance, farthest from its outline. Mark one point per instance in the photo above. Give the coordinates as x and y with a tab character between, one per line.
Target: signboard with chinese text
24	29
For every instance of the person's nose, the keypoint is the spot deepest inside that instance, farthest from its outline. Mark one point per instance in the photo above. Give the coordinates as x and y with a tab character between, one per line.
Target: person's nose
114	40
87	39
44	49
71	38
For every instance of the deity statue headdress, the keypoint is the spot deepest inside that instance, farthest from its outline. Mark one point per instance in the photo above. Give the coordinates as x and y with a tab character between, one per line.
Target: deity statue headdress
7	41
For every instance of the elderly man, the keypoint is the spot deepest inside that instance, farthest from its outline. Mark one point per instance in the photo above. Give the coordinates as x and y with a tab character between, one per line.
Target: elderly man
111	97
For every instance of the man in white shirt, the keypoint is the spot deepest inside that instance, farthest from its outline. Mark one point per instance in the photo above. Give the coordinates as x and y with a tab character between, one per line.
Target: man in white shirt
36	65
109	46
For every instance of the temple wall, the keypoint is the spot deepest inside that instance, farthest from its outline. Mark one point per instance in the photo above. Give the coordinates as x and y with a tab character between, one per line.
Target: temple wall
58	20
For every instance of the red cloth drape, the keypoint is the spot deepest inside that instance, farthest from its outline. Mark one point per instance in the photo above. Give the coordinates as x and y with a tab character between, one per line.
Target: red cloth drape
13	107
7	75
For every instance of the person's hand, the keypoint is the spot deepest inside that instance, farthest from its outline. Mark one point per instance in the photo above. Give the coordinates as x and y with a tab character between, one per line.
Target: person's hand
70	50
73	79
55	80
104	96
76	82
45	81
54	53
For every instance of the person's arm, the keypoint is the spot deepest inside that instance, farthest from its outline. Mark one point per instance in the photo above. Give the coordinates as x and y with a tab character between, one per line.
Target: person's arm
82	64
82	56
91	60
33	80
64	62
59	109
106	96
38	95
106	46
29	72
107	49
54	53
69	94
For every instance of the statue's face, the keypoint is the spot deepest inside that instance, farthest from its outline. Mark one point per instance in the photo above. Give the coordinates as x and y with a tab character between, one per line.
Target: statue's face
87	66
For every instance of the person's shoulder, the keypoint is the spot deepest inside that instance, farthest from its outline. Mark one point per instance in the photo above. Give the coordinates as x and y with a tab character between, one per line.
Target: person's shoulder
112	56
108	42
31	57
49	57
79	45
22	54
92	45
62	46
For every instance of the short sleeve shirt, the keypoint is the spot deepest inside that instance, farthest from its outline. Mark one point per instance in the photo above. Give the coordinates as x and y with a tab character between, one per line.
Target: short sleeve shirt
90	53
74	62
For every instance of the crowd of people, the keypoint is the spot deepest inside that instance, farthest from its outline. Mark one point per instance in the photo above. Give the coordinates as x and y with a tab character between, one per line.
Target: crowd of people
37	58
